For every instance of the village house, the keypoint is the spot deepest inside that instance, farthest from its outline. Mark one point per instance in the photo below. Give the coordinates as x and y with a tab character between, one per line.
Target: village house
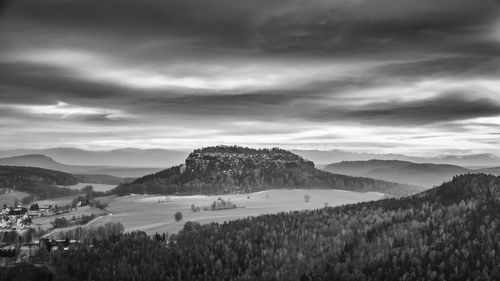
45	210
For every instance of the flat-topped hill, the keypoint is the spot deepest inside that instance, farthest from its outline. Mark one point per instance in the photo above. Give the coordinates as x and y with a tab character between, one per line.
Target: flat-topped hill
234	169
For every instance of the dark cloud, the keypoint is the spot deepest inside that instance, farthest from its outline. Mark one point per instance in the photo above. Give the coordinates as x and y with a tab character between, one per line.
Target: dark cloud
29	83
225	22
458	66
384	25
274	25
443	108
184	69
24	83
3	5
258	103
268	105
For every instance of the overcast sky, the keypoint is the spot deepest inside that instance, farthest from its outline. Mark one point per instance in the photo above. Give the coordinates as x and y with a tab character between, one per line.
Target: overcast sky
402	76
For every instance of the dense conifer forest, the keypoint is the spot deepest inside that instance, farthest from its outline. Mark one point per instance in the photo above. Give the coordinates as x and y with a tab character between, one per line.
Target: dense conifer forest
450	232
26	272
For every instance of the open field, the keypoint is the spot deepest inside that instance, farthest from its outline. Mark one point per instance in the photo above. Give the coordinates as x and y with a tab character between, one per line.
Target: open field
61	201
45	222
156	213
97	186
9	198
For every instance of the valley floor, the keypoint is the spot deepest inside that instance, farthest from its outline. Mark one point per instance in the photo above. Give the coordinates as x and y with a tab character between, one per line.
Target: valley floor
156	213
96	186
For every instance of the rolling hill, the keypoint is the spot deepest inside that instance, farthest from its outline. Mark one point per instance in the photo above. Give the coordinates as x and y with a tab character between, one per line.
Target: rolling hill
45	162
232	169
493	171
42	183
449	232
425	174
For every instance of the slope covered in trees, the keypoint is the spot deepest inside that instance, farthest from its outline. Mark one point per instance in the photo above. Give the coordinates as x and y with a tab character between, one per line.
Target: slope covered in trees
447	233
101	179
233	169
40	182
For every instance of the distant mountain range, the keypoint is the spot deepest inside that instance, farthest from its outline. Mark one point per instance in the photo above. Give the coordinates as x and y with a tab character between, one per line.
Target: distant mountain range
129	157
145	158
322	157
232	169
133	163
42	161
426	175
419	174
493	171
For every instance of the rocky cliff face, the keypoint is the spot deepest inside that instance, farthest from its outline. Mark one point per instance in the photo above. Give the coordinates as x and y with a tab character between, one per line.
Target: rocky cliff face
231	169
240	169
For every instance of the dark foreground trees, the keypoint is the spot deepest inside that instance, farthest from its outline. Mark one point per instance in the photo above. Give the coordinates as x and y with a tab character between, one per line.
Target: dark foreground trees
25	272
448	233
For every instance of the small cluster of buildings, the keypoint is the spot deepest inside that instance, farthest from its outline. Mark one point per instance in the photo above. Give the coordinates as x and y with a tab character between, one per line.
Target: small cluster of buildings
45	210
19	217
14	218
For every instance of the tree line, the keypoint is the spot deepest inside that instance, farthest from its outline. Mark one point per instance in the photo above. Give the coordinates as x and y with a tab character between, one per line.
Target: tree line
447	233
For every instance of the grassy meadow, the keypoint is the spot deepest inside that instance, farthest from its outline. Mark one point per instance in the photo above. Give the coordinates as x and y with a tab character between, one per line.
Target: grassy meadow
156	213
97	186
8	198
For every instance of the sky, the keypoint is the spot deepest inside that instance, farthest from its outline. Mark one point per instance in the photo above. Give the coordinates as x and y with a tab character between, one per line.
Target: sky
383	76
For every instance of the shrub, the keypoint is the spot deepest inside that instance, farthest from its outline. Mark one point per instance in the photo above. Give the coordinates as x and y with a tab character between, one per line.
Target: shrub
60	222
178	216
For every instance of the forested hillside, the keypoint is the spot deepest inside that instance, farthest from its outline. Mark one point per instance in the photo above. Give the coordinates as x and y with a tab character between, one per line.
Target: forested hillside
101	179
233	169
40	182
447	233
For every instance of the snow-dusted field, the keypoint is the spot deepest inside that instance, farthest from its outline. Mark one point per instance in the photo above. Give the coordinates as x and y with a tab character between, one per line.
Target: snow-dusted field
156	213
97	186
